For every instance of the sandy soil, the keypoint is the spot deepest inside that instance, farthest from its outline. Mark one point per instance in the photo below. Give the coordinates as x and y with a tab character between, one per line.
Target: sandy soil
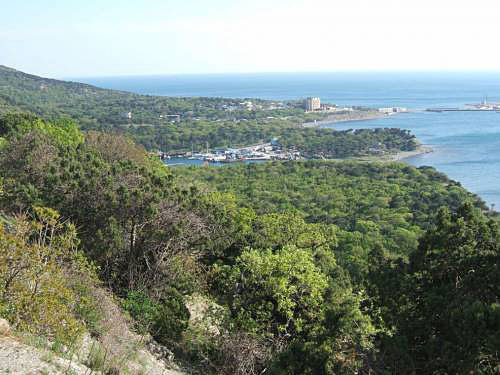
408	154
346	117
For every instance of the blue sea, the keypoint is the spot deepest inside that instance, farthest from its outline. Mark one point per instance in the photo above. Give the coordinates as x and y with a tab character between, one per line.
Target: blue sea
466	145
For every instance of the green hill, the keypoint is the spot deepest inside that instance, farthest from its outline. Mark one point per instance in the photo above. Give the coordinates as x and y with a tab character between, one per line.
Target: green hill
93	106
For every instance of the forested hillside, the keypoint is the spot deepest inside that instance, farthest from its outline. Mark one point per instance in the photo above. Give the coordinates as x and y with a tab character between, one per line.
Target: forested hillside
185	124
295	267
386	206
91	106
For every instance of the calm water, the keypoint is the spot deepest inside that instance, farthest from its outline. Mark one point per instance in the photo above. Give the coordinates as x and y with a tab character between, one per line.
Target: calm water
467	145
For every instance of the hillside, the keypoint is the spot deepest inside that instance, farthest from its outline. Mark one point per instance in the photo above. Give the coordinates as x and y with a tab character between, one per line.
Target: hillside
382	204
93	106
314	267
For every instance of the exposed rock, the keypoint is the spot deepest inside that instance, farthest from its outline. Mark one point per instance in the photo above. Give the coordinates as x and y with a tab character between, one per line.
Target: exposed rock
19	358
120	350
161	352
205	314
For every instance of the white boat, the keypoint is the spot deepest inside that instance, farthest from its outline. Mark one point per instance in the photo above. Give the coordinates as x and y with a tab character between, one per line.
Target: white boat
200	156
258	156
215	158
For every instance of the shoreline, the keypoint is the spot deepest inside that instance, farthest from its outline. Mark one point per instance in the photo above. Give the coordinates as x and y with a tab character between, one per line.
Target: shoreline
398	156
357	116
401	156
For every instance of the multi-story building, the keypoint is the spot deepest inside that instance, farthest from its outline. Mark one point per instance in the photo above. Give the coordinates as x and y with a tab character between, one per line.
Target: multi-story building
312	104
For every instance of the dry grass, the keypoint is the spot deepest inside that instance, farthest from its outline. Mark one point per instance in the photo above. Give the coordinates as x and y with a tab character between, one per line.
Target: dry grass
118	345
4	328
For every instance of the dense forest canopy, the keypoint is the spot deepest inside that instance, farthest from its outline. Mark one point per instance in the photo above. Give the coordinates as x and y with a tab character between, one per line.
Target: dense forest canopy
373	205
314	267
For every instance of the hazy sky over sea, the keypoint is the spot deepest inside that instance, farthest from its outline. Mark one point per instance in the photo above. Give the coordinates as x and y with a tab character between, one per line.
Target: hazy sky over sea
60	38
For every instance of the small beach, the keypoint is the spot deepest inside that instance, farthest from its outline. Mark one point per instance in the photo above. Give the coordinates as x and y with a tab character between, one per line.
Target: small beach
408	154
398	156
346	117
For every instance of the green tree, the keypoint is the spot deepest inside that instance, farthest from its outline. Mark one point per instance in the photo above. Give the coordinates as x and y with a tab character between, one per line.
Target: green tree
275	293
446	307
455	270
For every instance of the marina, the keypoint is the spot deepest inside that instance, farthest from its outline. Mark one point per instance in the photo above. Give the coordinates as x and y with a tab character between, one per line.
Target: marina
259	152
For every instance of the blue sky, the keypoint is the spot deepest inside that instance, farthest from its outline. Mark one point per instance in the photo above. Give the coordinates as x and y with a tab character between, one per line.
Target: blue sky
97	38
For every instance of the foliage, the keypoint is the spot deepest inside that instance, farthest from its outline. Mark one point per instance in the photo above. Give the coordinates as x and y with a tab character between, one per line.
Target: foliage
142	309
332	144
172	318
358	206
275	293
165	319
63	131
339	345
37	261
87	307
92	106
456	327
292	300
290	135
316	267
126	204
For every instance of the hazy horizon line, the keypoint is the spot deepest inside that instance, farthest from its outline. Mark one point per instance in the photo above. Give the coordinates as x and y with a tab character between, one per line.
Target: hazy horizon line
256	73
415	71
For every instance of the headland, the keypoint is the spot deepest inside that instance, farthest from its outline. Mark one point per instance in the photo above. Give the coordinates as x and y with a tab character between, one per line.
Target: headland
355	115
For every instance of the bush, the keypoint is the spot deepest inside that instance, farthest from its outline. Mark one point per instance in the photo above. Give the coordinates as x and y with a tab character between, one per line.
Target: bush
165	319
173	317
142	309
38	258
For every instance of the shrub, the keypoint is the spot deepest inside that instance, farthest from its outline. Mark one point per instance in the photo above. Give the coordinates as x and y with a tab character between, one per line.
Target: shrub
164	319
143	309
172	318
88	308
37	260
278	293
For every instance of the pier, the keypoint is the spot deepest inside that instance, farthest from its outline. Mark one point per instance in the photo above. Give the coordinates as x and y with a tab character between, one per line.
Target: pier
484	106
460	110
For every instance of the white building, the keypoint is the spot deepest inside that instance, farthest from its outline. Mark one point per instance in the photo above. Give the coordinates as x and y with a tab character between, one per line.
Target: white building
386	110
392	110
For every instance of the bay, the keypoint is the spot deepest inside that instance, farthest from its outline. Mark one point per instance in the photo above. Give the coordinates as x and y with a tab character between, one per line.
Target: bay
466	144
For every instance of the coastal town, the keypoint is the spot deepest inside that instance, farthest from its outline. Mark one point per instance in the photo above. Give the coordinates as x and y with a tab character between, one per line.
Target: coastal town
259	152
245	109
264	151
271	149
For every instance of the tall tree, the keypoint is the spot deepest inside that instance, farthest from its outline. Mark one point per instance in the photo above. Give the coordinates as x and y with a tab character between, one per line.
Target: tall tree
454	325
